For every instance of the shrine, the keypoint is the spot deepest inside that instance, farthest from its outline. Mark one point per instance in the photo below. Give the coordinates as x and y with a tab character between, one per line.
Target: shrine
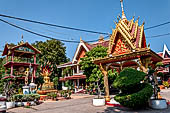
20	60
127	48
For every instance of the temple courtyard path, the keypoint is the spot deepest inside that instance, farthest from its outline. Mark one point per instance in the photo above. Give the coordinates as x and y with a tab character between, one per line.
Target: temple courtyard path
83	104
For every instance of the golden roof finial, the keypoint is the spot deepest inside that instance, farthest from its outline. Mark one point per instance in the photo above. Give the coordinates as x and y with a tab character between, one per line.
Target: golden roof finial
81	39
123	13
22	38
21	42
101	38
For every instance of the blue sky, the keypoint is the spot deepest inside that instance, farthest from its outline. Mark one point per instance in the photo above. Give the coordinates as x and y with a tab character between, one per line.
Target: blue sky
97	15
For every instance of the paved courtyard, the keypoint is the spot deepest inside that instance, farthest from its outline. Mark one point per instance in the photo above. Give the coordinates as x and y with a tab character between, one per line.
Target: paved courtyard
83	104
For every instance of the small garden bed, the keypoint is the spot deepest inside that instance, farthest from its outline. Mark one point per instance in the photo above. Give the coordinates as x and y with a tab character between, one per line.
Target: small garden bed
26	100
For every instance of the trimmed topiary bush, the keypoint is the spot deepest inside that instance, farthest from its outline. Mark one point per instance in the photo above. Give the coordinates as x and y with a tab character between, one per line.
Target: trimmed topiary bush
134	93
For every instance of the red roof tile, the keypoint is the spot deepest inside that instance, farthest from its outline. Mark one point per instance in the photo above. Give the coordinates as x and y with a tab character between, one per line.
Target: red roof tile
104	43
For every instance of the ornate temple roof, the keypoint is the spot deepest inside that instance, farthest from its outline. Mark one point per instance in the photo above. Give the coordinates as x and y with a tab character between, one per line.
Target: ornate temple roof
8	48
86	47
165	53
127	39
128	35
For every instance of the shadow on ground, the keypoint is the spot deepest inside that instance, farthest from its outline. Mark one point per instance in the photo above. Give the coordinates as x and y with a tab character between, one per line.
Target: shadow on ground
128	110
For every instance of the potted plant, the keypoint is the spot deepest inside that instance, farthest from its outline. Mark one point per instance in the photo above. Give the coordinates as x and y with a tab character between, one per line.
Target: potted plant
69	94
98	101
36	99
10	103
54	96
24	100
155	102
32	97
9	91
18	100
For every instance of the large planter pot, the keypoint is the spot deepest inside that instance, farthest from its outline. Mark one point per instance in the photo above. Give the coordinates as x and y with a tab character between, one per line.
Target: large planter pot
158	103
64	88
2	104
10	105
18	104
99	101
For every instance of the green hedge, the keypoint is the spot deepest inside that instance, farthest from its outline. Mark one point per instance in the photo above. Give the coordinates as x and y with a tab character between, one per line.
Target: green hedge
137	99
25	98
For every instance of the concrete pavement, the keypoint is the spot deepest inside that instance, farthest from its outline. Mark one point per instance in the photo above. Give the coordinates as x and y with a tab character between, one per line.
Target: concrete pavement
83	104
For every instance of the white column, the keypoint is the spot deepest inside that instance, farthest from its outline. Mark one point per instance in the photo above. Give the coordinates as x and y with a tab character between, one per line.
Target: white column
78	69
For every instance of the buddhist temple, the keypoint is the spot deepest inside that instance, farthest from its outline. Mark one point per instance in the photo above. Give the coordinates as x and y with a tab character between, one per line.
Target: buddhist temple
20	58
77	76
127	48
165	69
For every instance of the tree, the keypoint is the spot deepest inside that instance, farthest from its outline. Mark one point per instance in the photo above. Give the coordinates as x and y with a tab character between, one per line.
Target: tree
91	70
52	51
88	66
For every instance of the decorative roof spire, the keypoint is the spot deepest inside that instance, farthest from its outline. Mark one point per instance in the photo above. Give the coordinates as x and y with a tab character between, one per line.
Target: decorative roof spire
81	39
22	41
123	13
101	38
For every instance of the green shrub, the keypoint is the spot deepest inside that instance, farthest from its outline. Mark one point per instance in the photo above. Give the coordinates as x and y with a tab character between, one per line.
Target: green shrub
52	95
128	79
134	93
25	98
137	99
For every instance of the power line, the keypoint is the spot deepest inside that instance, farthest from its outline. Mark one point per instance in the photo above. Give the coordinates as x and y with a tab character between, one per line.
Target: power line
72	28
54	25
157	25
155	36
38	34
35	32
48	37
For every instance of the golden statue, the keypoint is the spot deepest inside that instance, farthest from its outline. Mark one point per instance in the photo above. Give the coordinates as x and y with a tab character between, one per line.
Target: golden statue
46	73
